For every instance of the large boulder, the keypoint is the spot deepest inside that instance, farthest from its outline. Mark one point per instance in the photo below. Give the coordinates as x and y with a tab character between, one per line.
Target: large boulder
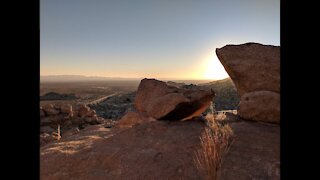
92	120
83	110
161	101
151	150
260	106
49	109
66	108
252	66
255	71
91	113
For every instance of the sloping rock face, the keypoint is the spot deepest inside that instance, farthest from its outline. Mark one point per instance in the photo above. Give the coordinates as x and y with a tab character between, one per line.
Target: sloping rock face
253	68
152	150
133	118
161	101
255	153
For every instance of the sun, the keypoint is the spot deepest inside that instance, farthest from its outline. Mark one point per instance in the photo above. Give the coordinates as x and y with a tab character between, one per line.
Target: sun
214	69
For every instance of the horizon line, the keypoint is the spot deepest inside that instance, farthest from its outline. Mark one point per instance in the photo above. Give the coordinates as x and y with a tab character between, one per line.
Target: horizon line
137	78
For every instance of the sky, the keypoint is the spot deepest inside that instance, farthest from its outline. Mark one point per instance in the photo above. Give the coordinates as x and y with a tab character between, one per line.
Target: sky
174	39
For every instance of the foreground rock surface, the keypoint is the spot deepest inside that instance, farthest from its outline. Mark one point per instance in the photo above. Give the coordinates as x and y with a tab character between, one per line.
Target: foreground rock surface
152	150
254	67
255	153
161	101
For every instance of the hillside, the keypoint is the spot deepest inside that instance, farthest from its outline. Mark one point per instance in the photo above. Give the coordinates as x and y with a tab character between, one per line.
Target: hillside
57	96
226	94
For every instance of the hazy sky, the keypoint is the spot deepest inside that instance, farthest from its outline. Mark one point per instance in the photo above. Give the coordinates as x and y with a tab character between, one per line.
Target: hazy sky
150	38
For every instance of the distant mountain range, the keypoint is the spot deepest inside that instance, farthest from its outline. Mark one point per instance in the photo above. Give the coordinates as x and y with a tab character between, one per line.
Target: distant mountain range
81	78
76	78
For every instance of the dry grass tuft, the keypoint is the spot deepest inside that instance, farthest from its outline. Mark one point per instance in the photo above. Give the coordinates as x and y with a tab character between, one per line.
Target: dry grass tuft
215	143
57	135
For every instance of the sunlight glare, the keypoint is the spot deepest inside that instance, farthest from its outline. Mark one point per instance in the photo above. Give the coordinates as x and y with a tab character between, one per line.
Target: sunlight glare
214	69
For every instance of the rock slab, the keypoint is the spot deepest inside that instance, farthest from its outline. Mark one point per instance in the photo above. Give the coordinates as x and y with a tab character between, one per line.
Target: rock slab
255	153
152	150
163	102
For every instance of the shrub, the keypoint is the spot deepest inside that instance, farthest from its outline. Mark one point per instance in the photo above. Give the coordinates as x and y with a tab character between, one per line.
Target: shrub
215	143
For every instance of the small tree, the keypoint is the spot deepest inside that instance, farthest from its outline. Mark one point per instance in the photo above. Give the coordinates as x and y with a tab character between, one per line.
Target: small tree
59	134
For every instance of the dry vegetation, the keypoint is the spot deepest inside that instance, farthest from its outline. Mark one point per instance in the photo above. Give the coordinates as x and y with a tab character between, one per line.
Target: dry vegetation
57	135
215	143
